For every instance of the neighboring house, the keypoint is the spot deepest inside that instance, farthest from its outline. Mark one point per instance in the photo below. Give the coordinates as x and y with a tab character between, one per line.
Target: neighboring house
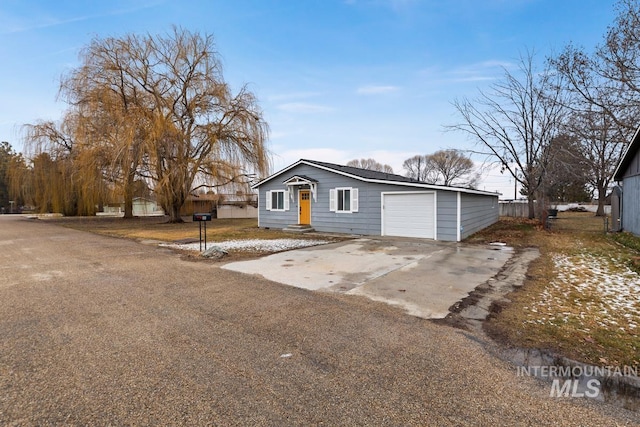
343	199
199	203
146	207
239	205
141	206
628	173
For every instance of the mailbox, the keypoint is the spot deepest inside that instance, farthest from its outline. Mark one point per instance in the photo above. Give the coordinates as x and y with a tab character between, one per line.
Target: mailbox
201	217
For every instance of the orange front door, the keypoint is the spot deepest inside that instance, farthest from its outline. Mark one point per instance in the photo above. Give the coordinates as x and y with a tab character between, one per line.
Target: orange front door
305	207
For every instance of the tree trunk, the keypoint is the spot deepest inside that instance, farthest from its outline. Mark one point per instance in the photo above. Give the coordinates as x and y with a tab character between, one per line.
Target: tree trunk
602	195
128	196
128	206
174	213
532	206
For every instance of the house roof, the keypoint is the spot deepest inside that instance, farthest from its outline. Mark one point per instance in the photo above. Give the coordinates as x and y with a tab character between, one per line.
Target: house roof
628	156
364	173
367	175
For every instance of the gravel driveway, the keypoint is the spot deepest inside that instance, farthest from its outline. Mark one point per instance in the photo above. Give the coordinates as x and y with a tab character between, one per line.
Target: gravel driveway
99	331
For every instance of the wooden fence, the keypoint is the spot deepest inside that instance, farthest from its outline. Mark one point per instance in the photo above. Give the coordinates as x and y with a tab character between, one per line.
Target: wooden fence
514	209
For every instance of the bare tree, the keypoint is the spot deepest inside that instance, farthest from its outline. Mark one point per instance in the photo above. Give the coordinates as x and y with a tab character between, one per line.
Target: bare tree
16	176
61	180
605	95
567	176
416	167
8	161
158	108
370	164
450	167
601	145
110	115
515	121
616	63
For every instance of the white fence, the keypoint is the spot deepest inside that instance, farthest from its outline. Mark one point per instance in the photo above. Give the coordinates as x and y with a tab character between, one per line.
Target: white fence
233	211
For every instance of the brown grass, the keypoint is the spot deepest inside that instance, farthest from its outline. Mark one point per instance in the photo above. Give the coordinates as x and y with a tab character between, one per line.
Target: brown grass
157	228
557	313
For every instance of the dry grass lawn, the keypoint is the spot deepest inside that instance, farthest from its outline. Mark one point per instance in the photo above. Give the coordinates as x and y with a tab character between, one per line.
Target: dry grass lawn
157	228
582	296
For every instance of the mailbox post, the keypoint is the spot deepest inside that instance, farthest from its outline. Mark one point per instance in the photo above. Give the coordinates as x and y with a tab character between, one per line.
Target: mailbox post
202	218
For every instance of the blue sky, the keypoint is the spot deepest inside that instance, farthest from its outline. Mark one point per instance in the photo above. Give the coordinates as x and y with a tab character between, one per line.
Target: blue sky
337	79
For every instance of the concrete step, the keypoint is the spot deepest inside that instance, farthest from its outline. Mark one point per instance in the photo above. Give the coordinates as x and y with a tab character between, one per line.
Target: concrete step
298	228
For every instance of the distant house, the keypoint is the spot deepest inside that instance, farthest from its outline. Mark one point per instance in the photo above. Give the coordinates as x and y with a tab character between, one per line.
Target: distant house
146	207
628	174
343	199
142	206
199	203
233	205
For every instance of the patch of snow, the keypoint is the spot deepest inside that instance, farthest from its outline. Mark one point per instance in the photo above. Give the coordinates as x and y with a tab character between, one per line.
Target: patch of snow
606	290
259	245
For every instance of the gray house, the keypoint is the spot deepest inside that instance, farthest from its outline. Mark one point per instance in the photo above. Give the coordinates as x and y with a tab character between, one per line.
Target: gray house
628	172
344	199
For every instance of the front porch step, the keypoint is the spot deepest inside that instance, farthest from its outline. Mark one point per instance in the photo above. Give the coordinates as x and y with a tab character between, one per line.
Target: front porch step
298	228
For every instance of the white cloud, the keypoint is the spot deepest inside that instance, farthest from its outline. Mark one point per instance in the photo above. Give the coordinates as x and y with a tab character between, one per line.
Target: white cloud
331	155
395	159
13	26
341	157
485	70
476	72
277	135
376	90
292	95
303	107
492	179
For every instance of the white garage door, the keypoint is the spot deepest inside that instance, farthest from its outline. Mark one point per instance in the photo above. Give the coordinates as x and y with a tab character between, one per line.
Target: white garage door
408	215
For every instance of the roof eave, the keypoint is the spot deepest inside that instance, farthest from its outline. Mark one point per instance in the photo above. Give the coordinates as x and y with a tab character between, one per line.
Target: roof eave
280	172
627	156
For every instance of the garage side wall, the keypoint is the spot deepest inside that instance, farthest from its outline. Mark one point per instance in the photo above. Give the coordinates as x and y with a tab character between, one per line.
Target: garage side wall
447	219
477	212
631	204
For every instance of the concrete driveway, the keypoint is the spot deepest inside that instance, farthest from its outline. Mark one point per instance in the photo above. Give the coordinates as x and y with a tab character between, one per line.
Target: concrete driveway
423	277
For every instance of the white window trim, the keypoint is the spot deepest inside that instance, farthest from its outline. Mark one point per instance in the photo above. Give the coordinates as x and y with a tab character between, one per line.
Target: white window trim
353	202
285	200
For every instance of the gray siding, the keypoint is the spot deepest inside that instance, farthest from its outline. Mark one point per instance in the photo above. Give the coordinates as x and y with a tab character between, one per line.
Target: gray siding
634	167
477	212
367	221
631	204
447	203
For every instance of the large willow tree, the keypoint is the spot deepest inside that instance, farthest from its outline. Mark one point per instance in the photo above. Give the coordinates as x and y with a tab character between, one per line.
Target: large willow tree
62	177
158	108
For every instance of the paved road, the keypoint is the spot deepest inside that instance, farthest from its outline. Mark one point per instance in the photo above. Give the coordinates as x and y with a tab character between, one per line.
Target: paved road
97	331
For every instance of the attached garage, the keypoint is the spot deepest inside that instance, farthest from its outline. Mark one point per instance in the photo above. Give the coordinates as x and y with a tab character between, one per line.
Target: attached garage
409	214
326	197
